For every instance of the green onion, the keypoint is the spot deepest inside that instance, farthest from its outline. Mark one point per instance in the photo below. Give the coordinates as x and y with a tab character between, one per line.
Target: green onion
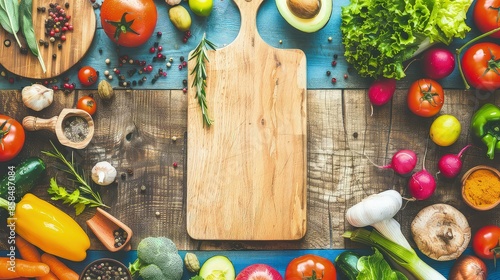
407	259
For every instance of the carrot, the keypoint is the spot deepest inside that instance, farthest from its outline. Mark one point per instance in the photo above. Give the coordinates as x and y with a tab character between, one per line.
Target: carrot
60	270
11	269
29	252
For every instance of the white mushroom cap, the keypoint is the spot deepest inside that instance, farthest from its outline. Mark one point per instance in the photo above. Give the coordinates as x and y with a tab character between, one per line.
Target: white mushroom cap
441	232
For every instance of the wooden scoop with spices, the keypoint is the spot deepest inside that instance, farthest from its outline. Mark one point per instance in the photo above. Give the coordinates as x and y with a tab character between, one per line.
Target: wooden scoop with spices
74	128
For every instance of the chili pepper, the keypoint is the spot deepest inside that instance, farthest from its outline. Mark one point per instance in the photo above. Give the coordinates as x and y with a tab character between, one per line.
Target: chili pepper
47	227
485	124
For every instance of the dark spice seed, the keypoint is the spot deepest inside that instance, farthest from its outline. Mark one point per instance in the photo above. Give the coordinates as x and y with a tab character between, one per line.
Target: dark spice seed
7	43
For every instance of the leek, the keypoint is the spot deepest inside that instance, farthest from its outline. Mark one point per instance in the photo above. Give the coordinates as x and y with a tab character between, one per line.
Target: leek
406	258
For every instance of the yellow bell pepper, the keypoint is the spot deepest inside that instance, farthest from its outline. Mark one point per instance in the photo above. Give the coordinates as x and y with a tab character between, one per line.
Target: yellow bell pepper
50	229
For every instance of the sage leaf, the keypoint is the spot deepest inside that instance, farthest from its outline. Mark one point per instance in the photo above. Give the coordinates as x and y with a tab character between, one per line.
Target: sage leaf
26	25
9	17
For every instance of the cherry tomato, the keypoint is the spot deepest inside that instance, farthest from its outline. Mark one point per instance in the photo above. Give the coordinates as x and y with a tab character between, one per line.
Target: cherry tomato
128	23
481	67
485	242
425	97
87	75
445	130
12	138
304	267
486	16
87	103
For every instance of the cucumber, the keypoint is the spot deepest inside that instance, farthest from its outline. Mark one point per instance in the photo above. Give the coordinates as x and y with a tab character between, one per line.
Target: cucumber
23	177
347	264
218	268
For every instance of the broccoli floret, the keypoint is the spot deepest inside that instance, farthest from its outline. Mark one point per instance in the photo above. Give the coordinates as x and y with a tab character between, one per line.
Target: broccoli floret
157	259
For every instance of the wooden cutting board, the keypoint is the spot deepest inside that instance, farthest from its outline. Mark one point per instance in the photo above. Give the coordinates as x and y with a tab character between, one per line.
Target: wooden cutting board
78	41
246	174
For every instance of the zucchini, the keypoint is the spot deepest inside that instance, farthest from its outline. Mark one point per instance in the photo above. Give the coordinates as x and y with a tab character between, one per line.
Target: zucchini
347	264
21	177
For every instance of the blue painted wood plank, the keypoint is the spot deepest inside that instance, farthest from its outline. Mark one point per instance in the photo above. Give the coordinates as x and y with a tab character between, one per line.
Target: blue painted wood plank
221	27
277	259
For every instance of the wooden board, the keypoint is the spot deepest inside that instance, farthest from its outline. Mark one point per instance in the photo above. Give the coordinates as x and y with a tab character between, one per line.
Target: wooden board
246	174
72	50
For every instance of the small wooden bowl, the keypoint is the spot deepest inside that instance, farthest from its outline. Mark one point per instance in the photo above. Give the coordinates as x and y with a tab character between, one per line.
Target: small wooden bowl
115	264
56	123
103	226
466	176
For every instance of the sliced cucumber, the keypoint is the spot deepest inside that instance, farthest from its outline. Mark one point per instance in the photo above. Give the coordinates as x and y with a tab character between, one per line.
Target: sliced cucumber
218	268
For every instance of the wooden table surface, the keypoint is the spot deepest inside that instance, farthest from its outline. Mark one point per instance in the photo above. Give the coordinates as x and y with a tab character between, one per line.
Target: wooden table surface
135	132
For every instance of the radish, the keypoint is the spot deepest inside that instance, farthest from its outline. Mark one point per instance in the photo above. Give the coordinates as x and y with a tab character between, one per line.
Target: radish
422	184
451	164
403	162
259	272
438	63
381	91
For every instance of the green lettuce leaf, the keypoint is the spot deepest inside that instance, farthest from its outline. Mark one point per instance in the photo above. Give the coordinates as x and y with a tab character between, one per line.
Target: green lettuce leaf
376	267
380	35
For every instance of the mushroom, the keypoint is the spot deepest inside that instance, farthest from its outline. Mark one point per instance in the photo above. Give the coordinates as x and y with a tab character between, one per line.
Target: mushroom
103	173
304	8
441	232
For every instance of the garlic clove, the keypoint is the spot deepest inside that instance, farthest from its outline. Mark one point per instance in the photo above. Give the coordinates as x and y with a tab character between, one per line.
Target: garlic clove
103	173
37	97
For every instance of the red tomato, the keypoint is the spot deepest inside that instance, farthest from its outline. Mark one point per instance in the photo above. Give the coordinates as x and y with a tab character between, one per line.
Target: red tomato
480	66
486	16
485	240
128	23
425	97
304	267
87	76
12	138
87	103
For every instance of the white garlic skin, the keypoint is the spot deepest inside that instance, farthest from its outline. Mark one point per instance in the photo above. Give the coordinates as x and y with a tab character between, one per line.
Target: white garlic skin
103	173
37	97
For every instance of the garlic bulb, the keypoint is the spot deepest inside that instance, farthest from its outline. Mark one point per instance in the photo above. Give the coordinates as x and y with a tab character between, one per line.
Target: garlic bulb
37	97
103	173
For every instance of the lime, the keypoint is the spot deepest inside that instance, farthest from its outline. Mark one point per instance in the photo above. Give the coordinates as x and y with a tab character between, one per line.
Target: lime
201	7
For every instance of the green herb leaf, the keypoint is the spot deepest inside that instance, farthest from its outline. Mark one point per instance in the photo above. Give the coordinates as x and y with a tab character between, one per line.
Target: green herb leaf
26	24
9	17
199	54
77	197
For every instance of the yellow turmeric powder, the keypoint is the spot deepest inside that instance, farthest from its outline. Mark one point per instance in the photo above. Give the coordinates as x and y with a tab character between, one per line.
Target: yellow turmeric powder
482	188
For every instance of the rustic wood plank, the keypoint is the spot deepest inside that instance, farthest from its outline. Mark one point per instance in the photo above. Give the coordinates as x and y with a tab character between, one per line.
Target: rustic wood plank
134	131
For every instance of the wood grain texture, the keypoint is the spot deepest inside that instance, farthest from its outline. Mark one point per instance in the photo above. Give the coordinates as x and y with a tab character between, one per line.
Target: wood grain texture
134	132
246	174
57	61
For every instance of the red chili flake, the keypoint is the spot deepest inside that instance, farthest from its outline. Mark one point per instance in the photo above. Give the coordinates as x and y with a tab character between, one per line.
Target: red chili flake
175	164
334	63
334	80
346	76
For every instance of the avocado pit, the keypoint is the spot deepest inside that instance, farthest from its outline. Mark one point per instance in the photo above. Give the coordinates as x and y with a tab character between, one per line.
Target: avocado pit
305	9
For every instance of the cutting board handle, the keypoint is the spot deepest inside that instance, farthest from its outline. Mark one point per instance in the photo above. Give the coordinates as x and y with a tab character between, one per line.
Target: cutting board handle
248	12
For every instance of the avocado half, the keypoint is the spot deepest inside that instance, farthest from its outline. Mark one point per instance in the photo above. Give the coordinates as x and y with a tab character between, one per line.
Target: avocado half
306	15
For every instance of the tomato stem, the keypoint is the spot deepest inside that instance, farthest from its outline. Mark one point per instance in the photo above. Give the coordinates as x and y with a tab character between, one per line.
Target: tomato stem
459	51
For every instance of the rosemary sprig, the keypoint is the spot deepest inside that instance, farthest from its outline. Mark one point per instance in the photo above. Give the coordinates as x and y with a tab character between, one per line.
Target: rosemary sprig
76	197
199	54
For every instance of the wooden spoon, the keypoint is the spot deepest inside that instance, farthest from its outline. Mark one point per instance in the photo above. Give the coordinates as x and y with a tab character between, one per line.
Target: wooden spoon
103	225
56	124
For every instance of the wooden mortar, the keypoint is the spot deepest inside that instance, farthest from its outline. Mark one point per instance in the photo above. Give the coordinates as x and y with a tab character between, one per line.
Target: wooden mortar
55	124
